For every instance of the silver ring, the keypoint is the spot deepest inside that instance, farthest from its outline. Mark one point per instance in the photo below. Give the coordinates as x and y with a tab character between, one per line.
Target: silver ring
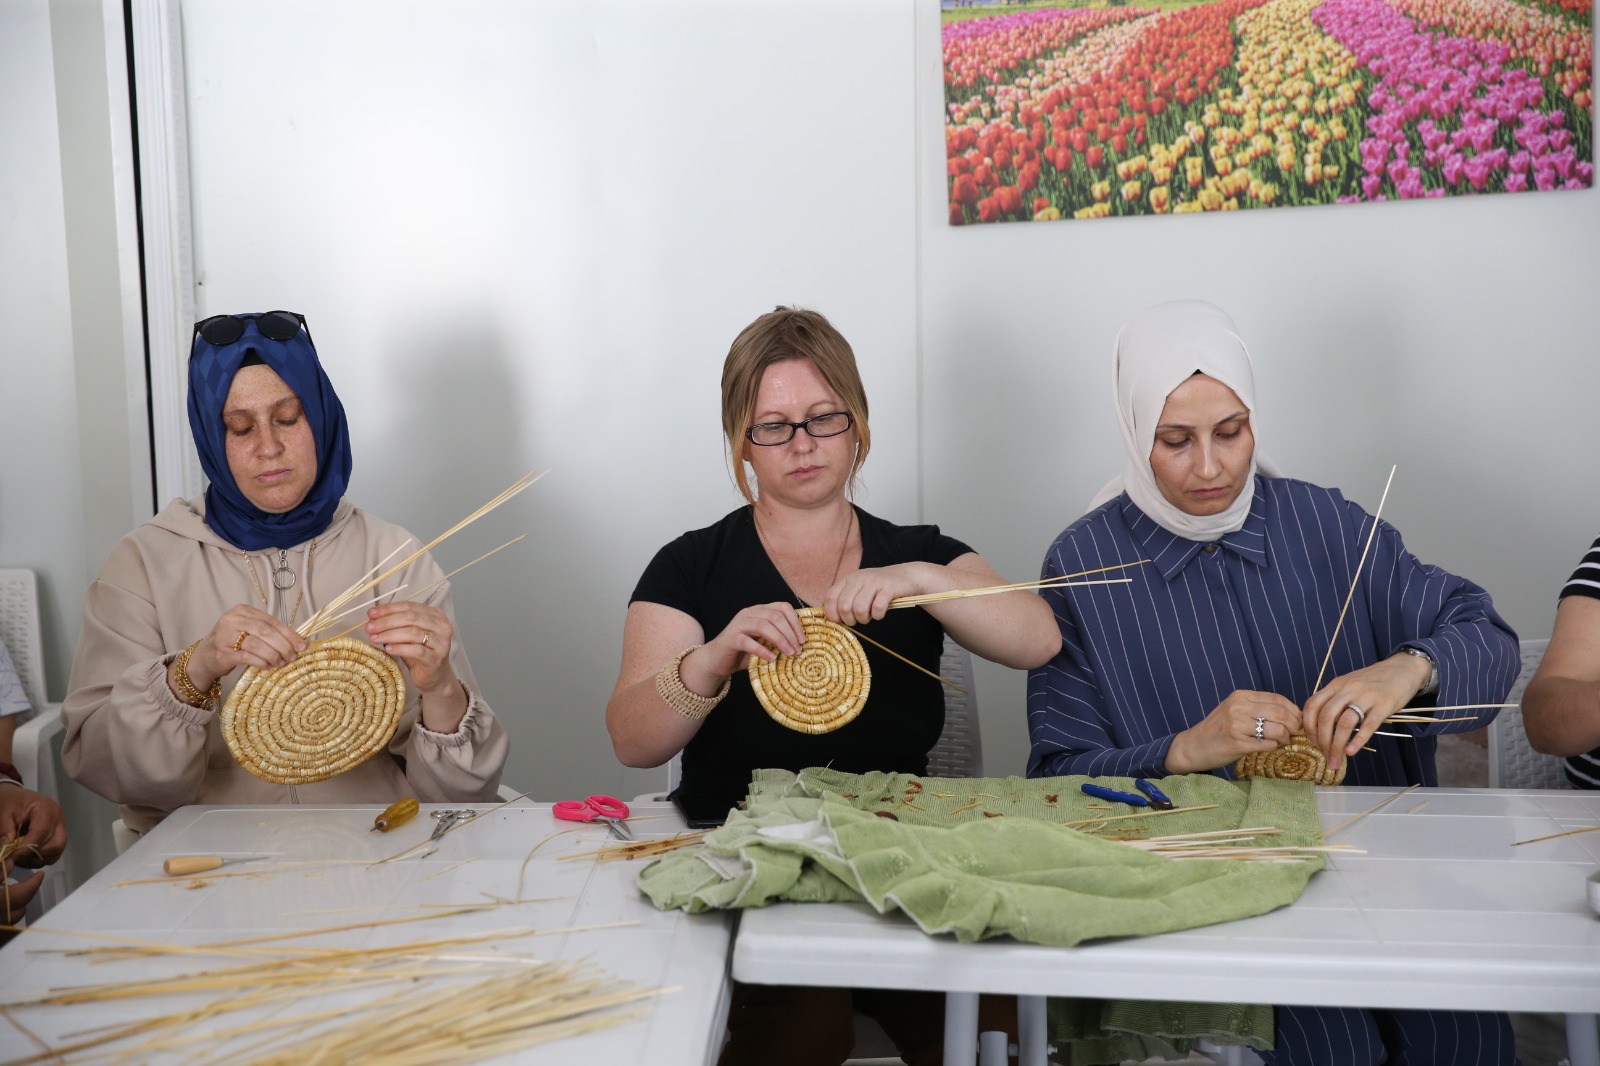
1261	729
1361	716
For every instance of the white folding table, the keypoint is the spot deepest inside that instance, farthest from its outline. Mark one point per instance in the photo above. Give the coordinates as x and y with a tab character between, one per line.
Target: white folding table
1441	912
687	954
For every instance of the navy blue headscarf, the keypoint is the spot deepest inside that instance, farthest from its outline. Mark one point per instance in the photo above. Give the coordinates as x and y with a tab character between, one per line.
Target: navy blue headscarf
228	512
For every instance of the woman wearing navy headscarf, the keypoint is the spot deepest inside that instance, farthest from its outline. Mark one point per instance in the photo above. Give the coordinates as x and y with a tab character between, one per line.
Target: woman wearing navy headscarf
219	583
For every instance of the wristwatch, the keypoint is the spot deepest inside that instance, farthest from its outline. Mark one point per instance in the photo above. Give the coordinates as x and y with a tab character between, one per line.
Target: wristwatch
1433	671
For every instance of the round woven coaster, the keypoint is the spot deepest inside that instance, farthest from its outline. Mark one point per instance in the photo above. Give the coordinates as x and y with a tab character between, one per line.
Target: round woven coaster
1297	759
331	709
822	688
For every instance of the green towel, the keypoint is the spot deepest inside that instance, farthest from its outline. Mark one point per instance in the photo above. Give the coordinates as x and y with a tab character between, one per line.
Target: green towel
984	857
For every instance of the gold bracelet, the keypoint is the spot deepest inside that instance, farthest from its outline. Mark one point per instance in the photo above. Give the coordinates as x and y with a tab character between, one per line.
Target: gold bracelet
673	692
192	695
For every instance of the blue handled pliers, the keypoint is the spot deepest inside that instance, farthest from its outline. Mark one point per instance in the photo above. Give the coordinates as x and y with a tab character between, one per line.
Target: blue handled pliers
1158	798
1115	795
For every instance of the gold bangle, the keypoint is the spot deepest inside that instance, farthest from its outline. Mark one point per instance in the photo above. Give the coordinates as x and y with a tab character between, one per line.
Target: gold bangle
191	694
673	692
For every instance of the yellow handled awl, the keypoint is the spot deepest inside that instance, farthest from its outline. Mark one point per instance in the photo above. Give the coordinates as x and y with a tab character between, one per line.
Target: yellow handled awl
186	865
396	814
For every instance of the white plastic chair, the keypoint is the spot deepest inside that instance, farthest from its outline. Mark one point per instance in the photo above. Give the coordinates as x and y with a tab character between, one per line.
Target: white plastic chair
19	631
1512	761
35	742
1514	764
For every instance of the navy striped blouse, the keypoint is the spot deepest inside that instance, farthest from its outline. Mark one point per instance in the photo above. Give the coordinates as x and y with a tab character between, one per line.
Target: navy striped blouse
1584	770
1256	610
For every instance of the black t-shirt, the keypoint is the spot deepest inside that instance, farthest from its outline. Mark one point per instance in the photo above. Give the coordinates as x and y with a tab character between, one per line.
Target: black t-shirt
714	573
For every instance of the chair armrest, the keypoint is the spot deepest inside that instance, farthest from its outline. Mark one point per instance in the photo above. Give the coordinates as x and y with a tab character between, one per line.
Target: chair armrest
33	751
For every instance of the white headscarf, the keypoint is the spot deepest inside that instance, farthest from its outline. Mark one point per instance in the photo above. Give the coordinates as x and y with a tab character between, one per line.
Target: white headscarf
1157	350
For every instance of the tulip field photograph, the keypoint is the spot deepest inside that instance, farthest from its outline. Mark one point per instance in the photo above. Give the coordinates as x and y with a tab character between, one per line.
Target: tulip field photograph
1054	111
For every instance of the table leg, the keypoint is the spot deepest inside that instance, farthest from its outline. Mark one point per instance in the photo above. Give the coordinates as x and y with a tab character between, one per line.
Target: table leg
960	1028
1583	1040
1033	1039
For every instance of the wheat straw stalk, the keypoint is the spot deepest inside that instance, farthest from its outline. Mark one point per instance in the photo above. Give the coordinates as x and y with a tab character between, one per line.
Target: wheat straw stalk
418	1022
995	590
426	588
1060	580
1552	836
1423	719
355	590
1473	707
1326	833
317	620
1140	814
352	610
639	848
1354	581
908	662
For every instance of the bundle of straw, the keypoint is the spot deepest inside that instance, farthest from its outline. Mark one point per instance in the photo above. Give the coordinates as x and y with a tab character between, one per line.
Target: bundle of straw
330	710
822	688
340	701
1297	759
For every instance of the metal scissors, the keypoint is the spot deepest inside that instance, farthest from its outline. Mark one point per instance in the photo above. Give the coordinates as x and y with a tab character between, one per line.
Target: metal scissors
606	809
448	819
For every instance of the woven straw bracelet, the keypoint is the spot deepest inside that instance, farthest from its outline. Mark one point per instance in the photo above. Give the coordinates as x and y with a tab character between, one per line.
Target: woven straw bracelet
673	692
192	695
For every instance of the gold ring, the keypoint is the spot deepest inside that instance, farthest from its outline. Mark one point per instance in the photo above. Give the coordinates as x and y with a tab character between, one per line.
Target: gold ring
426	636
238	642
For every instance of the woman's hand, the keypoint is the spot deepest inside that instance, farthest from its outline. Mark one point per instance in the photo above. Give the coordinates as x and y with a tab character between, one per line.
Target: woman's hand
766	630
1229	732
1379	690
419	636
243	636
863	596
36	821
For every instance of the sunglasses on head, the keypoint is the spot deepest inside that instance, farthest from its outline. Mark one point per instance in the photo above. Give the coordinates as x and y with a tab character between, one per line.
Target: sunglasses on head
274	325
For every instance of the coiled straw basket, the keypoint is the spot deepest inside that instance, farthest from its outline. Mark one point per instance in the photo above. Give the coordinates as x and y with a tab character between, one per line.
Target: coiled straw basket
1296	759
822	688
331	709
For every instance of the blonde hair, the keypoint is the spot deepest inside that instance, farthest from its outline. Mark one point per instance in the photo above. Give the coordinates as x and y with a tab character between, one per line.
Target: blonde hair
780	336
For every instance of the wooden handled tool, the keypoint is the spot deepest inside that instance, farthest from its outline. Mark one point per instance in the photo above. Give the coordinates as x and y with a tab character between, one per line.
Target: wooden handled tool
396	814
187	865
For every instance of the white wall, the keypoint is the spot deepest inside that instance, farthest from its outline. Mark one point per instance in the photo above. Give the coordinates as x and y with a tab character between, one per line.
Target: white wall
525	234
74	453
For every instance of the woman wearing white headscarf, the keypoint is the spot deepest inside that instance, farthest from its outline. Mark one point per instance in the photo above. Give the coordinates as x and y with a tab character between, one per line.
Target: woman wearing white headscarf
1217	649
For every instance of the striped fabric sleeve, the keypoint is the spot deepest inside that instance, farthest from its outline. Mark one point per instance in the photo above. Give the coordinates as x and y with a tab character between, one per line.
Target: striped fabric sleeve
1069	718
1585	581
1417	605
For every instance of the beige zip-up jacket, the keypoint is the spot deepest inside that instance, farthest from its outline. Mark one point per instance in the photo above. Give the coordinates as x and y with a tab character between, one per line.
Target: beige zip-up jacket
131	740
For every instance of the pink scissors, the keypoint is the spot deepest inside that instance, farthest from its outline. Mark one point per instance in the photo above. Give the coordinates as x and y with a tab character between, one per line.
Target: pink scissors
606	809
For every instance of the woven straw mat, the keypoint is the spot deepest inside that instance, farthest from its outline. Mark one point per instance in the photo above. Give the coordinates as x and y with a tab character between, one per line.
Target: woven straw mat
331	709
821	689
1297	759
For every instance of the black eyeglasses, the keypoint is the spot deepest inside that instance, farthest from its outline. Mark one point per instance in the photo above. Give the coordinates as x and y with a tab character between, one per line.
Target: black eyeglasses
274	325
771	434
